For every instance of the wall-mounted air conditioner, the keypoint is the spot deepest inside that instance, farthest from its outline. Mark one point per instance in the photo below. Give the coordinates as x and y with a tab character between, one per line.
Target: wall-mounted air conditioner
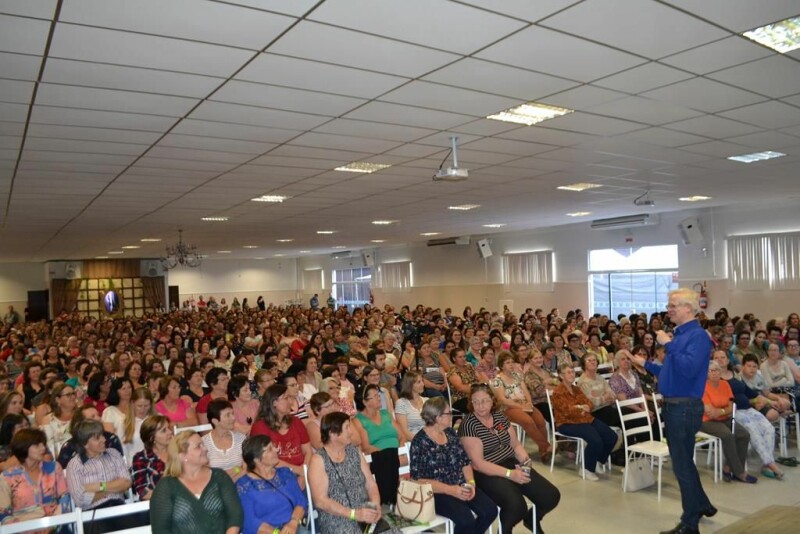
628	221
463	240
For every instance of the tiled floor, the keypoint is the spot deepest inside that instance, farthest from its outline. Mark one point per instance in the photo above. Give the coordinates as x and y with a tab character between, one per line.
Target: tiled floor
601	507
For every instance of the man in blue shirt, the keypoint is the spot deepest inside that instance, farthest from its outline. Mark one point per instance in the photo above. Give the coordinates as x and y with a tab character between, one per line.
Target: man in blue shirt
681	379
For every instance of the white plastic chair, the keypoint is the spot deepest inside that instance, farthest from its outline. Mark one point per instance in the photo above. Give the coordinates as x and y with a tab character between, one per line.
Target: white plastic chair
43	523
653	449
557	437
312	515
197	428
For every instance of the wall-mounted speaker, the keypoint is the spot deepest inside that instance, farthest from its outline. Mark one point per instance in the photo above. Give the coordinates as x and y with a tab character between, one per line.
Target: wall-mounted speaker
483	248
690	231
72	271
369	259
153	268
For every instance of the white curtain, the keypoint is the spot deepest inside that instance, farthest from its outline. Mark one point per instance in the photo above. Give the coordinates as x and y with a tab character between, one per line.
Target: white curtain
396	276
312	279
759	262
531	271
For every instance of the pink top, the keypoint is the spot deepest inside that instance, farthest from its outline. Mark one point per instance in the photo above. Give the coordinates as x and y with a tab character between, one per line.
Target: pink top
250	411
179	415
23	499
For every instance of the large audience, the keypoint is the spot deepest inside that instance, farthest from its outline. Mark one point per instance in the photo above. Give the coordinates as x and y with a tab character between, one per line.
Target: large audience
92	410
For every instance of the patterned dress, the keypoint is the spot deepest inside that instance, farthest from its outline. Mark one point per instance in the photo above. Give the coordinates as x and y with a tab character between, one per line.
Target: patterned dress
347	486
21	498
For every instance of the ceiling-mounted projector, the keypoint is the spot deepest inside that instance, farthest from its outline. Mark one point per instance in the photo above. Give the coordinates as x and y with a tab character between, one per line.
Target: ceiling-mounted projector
453	173
644	200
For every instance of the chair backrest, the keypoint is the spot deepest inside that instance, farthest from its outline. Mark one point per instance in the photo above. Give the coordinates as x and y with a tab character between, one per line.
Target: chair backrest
197	428
657	399
311	514
550	410
405	450
638	412
47	523
606	370
116	511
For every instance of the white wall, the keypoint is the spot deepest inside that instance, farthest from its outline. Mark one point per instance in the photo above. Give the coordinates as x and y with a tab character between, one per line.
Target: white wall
16	279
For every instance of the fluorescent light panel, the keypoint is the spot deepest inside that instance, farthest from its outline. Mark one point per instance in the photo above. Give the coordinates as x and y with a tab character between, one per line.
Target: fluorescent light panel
269	198
215	219
383	223
579	214
223	252
150	240
783	36
496	225
284	240
757	156
326	232
116	252
695	198
362	166
530	113
250	246
464	207
131	247
377	241
580	186
339	247
430	234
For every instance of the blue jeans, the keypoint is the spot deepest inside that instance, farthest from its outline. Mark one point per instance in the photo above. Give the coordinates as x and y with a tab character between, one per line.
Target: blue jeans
682	421
460	512
599	438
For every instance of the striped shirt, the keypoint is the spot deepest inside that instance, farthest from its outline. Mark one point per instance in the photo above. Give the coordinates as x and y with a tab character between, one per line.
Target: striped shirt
108	466
228	458
496	441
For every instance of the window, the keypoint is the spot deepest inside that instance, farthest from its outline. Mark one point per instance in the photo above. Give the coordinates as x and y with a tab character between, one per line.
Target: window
632	280
313	280
758	262
396	276
529	271
351	287
93	297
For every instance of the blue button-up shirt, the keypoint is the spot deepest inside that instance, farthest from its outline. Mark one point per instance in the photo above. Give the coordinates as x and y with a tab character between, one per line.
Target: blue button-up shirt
685	368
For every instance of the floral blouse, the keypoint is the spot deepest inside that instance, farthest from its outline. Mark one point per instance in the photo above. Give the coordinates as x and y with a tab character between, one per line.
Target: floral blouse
467	376
432	461
21	498
620	385
537	386
595	389
513	390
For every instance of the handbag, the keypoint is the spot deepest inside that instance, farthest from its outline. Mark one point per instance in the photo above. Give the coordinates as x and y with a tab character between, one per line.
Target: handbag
639	474
415	501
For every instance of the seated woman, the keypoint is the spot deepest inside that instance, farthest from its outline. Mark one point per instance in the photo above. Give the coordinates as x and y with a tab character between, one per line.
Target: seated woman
778	374
439	459
286	432
333	387
56	425
217	379
320	405
598	391
409	405
717	422
271	498
372	375
762	433
433	367
98	477
245	407
192	497
119	400
344	491
538	381
9	426
70	448
193	391
149	464
516	403
35	487
223	443
461	377
572	411
625	385
380	437
179	410
773	404
501	464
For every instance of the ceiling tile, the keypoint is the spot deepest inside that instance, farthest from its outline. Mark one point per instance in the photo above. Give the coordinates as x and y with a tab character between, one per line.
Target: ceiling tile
70	72
92	134
645	110
99	119
310	40
198	155
714	127
15	91
507	146
720	149
256	94
769	115
432	95
391	132
643	78
523	9
113	100
593	124
718	55
739	15
568	57
582	98
234	131
403	21
663	137
211	143
73	145
550	136
10	142
407	115
499	79
137	50
20	67
12	128
341	142
704	95
213	22
774	76
13	112
295	7
766	140
23	35
254	116
44	9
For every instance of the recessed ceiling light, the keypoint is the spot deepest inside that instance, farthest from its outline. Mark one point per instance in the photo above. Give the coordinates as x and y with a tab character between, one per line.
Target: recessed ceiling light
339	247
530	113
250	246
269	198
362	166
695	198
284	240
305	251
757	156
326	232
783	36
496	225
464	207
117	252
280	255
131	247
430	234
383	223
215	219
150	240
579	214
377	241
223	252
101	257
259	258
580	186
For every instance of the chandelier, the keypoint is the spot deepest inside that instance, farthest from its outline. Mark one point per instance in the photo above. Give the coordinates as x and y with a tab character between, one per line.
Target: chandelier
181	254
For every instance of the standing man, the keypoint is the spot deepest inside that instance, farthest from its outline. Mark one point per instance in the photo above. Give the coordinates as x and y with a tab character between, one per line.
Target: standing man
331	302
682	380
314	302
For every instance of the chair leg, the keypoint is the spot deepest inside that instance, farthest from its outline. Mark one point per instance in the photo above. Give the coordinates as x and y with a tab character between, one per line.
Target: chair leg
660	462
